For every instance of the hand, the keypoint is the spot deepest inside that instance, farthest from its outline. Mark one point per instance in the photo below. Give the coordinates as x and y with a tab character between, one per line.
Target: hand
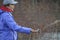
33	30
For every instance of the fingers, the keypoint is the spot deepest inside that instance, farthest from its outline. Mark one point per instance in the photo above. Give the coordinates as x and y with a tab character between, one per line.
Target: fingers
37	30
33	30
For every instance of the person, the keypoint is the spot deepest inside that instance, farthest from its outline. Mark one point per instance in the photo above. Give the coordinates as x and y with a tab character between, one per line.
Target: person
8	26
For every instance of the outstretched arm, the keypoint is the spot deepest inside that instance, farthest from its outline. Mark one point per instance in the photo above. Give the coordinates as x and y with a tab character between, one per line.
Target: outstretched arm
10	22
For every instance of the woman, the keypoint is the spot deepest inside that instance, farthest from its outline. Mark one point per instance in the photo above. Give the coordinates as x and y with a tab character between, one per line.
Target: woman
8	26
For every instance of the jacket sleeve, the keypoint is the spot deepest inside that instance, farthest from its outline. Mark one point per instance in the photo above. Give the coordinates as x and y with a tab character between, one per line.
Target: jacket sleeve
10	22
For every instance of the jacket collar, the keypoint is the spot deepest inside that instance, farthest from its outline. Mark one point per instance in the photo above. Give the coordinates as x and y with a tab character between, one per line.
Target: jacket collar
6	9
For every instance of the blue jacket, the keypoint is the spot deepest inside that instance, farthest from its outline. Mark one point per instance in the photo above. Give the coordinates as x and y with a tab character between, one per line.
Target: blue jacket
9	28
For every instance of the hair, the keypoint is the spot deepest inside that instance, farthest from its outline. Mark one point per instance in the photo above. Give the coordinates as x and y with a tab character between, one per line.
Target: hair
7	5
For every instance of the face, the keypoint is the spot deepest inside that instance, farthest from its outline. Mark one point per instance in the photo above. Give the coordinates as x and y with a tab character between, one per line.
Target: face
12	6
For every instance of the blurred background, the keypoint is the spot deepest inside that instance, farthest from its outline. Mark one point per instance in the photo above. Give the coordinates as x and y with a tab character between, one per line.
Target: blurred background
38	14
